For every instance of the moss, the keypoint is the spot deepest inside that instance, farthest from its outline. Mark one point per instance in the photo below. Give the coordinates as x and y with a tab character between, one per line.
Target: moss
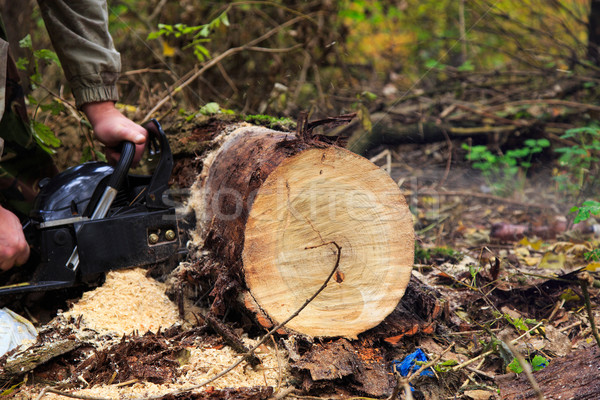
436	254
281	124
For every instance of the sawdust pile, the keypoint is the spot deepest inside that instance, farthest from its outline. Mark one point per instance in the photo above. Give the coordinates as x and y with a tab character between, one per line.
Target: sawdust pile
204	363
128	301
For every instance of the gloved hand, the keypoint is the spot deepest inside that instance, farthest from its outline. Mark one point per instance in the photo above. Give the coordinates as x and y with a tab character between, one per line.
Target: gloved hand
14	249
111	128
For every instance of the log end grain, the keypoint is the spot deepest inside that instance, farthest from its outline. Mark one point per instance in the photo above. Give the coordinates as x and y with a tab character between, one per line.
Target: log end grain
310	201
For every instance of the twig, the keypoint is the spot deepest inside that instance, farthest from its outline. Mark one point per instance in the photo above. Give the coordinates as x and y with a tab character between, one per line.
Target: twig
482	373
210	64
584	280
438	357
472	375
526	369
277	5
407	390
227	78
487	353
157	10
230	338
146	71
282	394
214	61
127	383
463	29
66	394
449	161
573	325
557	307
279	366
404	382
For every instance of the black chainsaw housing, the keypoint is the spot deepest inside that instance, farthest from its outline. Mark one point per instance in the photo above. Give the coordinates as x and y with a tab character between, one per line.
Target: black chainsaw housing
140	227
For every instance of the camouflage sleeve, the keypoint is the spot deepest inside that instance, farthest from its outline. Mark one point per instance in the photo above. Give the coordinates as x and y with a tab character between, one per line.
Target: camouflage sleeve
79	33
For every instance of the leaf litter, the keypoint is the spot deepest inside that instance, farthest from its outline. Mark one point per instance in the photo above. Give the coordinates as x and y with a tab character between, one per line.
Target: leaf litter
490	273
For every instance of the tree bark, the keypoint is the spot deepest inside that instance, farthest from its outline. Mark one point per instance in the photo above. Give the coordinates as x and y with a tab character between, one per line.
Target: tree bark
280	211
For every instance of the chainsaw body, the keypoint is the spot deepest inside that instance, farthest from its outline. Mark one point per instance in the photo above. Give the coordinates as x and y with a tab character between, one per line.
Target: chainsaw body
94	218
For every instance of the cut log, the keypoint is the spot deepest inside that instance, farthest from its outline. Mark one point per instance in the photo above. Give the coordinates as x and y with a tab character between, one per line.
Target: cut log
274	208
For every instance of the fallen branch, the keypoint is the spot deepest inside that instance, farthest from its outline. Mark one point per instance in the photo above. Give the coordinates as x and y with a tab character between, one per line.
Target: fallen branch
408	193
556	102
585	279
526	369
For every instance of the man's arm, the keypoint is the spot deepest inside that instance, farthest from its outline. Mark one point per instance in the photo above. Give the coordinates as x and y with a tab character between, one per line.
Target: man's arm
79	33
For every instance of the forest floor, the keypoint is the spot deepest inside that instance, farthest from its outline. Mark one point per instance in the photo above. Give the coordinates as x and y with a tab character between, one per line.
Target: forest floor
498	271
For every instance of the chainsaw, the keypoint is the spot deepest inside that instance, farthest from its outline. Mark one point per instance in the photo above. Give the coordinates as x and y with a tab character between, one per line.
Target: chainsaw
93	218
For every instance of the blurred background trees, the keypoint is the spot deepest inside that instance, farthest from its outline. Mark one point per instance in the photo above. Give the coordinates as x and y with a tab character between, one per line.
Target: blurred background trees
328	55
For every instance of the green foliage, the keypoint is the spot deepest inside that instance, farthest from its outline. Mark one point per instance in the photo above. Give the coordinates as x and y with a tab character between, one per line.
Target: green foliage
467	66
210	109
198	34
439	254
42	133
445	366
38	55
504	172
44	136
515	366
579	161
11	390
284	124
473	271
537	363
517	323
593	255
586	210
520	323
90	154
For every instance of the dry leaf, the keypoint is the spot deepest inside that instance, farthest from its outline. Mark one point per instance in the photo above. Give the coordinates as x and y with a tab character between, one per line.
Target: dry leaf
553	261
479	394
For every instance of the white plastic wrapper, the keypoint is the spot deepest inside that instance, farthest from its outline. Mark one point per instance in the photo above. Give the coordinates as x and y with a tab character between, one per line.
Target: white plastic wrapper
14	330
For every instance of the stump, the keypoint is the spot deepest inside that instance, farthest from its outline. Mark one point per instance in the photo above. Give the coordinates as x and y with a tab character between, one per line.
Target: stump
275	208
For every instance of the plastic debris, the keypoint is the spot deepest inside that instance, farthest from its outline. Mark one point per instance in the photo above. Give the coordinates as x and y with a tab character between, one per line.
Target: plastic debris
14	331
409	364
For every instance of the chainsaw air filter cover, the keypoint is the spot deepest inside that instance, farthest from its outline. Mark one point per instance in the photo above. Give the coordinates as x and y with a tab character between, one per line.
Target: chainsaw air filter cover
69	193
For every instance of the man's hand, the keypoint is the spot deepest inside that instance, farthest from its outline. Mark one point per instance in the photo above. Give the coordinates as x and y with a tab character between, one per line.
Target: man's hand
111	128
14	249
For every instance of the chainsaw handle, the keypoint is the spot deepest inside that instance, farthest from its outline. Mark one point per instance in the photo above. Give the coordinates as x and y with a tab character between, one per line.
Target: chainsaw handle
159	182
122	167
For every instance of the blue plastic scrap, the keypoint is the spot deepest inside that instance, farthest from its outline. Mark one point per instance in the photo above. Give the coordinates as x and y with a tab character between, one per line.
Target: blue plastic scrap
409	364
